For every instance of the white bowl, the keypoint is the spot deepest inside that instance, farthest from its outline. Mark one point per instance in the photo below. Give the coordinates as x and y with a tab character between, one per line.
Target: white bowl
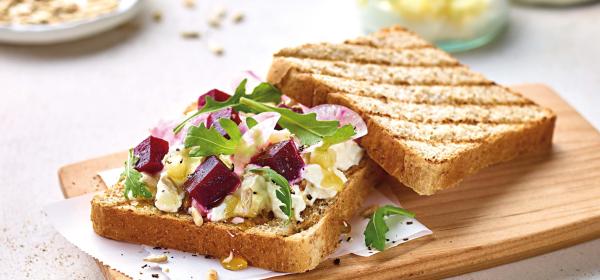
69	31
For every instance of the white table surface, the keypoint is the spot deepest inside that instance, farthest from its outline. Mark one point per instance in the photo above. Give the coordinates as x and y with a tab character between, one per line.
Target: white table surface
65	103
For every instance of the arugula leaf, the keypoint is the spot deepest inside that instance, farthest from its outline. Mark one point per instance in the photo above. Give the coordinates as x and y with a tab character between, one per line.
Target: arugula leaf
343	134
376	228
207	142
304	126
231	128
264	92
250	122
133	179
283	193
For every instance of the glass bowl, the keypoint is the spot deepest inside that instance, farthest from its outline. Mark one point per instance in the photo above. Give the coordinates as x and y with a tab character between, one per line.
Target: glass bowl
453	25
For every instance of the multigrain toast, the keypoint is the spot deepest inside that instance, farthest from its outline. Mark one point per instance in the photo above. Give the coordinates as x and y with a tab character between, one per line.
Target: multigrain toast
270	244
431	120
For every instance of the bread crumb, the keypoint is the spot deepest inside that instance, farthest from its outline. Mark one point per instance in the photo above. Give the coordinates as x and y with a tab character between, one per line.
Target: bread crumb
238	17
156	258
212	275
166	270
368	212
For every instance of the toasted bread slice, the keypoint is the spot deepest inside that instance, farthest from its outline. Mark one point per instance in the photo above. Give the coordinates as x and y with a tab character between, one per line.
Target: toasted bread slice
431	120
271	244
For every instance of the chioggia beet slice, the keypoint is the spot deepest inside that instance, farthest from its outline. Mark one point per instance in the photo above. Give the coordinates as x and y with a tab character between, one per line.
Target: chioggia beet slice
150	152
211	183
282	157
216	94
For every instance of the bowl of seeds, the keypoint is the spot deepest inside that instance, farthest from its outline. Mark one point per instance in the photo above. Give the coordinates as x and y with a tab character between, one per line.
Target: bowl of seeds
54	21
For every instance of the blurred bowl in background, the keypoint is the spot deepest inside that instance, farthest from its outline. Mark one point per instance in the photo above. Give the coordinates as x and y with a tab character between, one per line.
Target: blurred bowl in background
553	2
39	34
453	25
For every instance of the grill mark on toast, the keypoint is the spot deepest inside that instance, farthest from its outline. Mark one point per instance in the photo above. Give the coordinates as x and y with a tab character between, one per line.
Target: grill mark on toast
469	114
455	103
359	54
397	75
442	95
442	121
443	133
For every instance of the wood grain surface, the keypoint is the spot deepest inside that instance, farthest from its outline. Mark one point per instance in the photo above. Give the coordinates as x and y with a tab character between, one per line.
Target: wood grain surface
511	211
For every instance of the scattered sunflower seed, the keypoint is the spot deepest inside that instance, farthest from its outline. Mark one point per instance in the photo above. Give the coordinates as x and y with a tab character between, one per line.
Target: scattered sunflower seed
157	16
238	17
220	13
214	22
156	258
212	275
216	49
189	3
190	34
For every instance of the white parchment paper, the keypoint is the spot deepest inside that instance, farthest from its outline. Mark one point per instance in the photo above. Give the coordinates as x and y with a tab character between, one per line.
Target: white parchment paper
71	218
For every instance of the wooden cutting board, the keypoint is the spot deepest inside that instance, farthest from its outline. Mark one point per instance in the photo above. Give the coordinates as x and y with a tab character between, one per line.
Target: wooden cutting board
505	213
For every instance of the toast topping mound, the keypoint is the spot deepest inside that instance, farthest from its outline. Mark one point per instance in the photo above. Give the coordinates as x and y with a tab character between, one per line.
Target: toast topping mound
431	120
246	156
251	175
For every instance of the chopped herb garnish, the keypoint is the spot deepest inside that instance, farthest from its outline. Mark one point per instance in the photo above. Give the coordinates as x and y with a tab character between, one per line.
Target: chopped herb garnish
134	185
283	192
376	228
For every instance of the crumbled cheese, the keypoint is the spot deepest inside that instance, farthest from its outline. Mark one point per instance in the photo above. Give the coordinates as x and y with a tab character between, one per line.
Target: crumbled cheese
275	203
212	274
168	197
347	154
298	203
313	173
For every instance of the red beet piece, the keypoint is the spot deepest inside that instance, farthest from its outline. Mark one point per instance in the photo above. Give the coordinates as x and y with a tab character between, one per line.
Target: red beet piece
211	183
227	113
151	152
282	157
216	94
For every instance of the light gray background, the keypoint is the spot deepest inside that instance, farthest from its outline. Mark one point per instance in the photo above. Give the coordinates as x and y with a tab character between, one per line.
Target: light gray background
65	103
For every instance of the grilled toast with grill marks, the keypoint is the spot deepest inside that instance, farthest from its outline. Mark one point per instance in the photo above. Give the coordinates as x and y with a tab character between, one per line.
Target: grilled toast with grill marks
431	120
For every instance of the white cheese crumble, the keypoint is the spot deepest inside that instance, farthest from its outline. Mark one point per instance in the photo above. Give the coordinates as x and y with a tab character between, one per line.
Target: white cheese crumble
347	154
168	197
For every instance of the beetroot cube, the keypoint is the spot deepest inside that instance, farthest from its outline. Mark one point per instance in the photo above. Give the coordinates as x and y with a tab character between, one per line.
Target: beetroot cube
282	157
216	94
150	152
227	113
211	183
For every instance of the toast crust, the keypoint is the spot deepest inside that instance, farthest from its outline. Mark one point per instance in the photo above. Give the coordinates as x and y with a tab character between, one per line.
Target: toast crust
295	252
424	174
